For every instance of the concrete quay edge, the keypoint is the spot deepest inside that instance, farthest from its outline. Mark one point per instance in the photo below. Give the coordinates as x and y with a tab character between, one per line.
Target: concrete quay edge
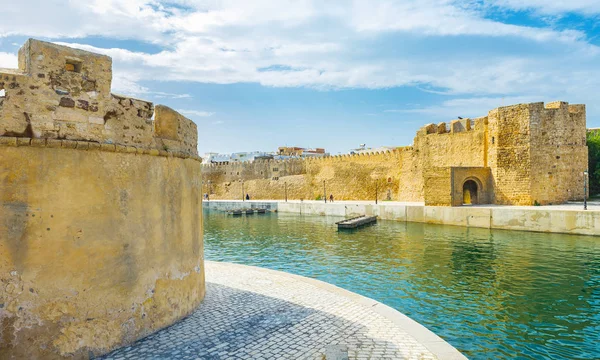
435	344
562	219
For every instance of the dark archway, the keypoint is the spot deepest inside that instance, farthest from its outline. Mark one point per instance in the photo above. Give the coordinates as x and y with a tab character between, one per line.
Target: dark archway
470	195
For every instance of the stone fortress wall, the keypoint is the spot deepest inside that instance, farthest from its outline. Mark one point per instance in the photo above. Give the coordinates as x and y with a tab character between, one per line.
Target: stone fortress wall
64	93
100	210
346	177
516	155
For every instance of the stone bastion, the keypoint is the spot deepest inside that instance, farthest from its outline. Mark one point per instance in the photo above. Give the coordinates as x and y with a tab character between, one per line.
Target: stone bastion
100	210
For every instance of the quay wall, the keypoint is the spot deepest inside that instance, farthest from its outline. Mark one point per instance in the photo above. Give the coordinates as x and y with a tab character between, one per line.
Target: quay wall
537	219
239	205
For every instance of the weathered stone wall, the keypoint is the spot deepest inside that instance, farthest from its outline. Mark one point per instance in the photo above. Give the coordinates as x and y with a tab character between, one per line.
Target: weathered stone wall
100	222
411	185
97	248
437	148
350	177
558	152
537	154
346	177
464	146
519	155
64	93
438	186
259	169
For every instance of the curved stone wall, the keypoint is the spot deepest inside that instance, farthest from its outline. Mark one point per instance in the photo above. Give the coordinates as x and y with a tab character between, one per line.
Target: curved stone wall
99	245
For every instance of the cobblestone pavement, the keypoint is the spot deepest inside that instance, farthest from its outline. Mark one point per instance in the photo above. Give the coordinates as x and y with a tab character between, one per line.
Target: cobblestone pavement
253	313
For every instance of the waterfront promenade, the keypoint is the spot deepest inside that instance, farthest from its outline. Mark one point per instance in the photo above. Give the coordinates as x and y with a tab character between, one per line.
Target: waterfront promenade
568	218
255	313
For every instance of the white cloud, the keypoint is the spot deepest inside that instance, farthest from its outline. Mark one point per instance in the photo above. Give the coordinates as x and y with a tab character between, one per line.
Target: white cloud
327	45
8	60
441	17
466	107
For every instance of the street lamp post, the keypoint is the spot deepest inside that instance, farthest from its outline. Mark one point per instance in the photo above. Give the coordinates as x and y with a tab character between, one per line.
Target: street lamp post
324	192
585	178
243	197
285	191
376	191
208	195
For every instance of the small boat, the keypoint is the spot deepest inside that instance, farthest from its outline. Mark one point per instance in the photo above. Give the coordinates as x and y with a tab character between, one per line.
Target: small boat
355	222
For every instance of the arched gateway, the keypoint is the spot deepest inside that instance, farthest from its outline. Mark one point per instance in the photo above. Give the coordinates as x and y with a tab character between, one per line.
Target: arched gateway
470	196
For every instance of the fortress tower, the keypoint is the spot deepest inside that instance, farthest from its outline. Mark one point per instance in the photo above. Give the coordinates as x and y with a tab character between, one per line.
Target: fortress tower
517	155
100	210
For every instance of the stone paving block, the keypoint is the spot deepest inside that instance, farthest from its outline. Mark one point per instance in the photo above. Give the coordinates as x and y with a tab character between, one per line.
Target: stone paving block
245	317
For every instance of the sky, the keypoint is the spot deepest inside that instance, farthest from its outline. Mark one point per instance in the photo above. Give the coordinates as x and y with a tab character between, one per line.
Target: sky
255	75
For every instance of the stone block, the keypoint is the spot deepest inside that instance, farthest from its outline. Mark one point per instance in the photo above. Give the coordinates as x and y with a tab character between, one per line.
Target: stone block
53	143
38	142
96	120
431	129
108	147
67	102
69	144
23	141
441	128
8	141
68	115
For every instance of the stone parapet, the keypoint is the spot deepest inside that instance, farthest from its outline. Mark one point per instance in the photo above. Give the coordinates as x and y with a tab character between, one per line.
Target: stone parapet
64	93
87	145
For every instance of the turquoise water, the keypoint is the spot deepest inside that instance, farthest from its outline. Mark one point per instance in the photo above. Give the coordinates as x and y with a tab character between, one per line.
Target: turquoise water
491	294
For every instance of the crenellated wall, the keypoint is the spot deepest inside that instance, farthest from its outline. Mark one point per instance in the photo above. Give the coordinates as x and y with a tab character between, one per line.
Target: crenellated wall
518	155
100	210
346	177
64	93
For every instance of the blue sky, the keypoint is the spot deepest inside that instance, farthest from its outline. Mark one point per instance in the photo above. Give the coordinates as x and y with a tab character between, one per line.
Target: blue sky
255	75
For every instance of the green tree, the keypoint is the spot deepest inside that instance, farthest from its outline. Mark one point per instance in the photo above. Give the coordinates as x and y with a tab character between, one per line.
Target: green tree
593	143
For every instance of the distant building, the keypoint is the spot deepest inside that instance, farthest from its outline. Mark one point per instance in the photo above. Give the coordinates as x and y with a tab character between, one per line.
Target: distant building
282	154
363	149
236	157
300	152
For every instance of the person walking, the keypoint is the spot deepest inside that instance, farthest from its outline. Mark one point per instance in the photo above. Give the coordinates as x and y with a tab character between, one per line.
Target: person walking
247	197
331	198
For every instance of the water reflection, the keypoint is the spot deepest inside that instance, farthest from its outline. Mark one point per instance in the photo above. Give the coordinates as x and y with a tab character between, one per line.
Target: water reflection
491	294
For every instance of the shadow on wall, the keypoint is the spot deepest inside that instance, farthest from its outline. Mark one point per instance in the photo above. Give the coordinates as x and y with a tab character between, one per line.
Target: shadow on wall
232	323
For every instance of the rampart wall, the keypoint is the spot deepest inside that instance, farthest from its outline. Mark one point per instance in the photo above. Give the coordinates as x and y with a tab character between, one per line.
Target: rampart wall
346	177
517	155
100	210
64	93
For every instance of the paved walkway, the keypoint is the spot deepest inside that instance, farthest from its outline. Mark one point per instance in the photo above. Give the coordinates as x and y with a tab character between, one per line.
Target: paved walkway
254	313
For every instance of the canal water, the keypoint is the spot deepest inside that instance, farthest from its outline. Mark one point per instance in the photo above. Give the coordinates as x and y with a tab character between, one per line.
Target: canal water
491	294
